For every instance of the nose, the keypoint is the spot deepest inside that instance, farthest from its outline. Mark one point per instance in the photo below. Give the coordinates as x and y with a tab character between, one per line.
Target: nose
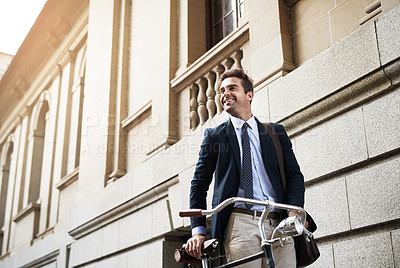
225	92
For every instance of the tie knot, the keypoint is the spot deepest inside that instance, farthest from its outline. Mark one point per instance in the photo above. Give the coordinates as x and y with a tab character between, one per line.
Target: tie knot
245	125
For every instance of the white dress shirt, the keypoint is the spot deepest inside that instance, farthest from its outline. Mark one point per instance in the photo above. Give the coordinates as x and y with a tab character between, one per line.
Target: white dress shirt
262	187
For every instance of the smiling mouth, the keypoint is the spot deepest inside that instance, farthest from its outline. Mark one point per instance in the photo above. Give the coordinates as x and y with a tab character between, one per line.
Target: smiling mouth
228	100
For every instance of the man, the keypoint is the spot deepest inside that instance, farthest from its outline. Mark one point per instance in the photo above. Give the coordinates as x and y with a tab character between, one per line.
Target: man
244	160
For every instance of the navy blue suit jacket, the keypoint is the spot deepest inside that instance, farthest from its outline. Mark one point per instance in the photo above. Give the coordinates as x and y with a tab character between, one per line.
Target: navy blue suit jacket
220	156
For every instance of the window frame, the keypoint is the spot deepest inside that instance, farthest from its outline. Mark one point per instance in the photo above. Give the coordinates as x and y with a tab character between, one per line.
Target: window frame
210	23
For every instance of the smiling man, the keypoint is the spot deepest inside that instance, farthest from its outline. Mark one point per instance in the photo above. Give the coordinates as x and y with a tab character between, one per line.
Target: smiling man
242	158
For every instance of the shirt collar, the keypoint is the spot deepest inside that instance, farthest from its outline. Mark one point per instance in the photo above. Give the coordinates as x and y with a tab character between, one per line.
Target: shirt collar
238	123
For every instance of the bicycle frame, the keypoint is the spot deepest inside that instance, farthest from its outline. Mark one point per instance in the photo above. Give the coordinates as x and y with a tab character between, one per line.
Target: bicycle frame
290	227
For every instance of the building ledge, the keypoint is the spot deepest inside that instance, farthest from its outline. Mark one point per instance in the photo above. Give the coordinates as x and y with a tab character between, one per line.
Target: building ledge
134	119
132	205
68	179
5	256
32	207
41	262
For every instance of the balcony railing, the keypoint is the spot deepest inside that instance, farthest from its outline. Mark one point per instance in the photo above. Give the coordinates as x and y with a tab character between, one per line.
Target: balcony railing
201	78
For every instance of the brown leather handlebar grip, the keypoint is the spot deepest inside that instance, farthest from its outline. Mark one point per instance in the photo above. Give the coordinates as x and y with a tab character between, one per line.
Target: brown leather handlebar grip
191	213
208	248
181	256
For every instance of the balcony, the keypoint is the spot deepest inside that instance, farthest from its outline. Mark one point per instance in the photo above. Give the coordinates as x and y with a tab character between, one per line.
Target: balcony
197	88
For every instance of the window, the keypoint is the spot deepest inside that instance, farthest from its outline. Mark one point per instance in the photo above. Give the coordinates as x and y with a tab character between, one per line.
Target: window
222	19
38	151
4	176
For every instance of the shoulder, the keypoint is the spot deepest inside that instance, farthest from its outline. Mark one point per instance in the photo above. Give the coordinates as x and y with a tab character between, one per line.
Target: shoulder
278	127
215	131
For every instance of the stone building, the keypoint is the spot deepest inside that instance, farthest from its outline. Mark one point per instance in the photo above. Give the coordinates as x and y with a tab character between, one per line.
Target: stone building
5	60
103	109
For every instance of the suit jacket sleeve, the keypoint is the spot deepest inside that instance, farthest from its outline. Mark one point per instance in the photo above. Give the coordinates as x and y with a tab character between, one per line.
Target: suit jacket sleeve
294	178
202	177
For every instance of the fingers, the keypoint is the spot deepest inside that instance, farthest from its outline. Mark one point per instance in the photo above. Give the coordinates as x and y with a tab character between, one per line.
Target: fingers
194	245
293	212
197	248
189	247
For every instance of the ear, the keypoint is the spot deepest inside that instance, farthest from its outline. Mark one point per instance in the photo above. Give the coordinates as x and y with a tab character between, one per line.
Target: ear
250	95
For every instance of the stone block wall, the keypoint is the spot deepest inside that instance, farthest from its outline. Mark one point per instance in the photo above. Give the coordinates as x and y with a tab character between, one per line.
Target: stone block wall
340	106
317	25
343	120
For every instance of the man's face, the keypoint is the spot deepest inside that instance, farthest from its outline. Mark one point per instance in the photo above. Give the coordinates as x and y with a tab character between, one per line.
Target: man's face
233	98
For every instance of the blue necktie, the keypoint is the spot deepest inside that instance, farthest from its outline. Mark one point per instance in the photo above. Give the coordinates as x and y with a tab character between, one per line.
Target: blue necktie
247	168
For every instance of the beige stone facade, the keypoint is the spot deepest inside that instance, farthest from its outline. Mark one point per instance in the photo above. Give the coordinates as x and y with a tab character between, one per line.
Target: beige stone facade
103	109
5	60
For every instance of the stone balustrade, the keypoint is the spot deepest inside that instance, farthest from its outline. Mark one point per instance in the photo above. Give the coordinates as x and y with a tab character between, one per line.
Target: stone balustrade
197	86
204	91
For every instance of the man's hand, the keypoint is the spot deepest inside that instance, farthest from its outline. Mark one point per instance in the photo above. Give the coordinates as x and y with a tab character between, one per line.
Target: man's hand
194	245
296	213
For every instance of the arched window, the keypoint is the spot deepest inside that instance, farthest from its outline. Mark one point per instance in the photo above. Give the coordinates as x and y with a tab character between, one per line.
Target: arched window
37	159
4	177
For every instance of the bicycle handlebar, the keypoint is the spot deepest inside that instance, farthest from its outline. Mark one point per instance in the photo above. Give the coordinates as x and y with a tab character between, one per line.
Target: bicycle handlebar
268	204
289	227
191	213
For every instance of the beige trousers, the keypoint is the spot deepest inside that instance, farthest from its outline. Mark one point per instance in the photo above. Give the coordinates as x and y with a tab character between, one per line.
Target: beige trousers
242	238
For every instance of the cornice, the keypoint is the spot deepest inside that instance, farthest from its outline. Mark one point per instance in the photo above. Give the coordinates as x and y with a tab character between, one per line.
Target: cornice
26	112
42	261
352	95
132	120
35	48
57	32
68	57
68	179
212	57
22	77
155	193
58	20
32	207
19	89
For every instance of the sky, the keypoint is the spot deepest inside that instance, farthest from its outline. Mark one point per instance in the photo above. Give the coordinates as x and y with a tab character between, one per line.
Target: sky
16	19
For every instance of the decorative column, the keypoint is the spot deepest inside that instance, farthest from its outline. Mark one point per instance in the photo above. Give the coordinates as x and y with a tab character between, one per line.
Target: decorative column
201	99
218	71
227	63
237	57
194	117
210	76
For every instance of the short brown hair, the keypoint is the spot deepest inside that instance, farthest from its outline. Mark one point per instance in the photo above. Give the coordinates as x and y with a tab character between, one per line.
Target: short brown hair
247	82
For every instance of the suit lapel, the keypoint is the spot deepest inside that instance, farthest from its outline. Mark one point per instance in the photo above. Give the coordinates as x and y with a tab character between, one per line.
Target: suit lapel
266	145
230	132
269	155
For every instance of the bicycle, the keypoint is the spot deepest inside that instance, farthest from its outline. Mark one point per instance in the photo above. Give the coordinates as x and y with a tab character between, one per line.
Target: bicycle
288	227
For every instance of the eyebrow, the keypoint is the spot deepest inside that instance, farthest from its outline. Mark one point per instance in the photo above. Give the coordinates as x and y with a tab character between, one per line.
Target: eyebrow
229	85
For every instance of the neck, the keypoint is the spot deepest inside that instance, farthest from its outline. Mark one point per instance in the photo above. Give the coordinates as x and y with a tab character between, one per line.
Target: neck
244	117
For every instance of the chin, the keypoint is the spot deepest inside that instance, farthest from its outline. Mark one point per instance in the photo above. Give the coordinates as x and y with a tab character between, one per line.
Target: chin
230	111
227	108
